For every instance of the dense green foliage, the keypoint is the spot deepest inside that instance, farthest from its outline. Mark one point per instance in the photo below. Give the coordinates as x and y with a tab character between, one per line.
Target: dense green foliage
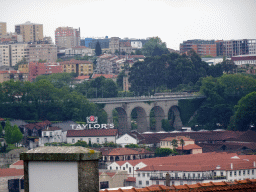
222	94
169	71
132	146
99	87
12	133
162	152
245	114
154	47
42	100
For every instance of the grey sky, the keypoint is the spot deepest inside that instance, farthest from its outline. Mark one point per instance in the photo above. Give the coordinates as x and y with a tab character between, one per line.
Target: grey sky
172	20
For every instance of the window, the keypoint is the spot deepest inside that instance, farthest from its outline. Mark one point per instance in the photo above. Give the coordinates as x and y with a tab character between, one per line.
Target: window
73	140
137	168
140	182
147	182
239	173
148	174
116	168
252	172
81	139
124	168
130	170
126	165
106	140
243	172
248	172
221	173
230	173
98	140
138	174
50	133
143	174
110	168
235	173
157	182
214	173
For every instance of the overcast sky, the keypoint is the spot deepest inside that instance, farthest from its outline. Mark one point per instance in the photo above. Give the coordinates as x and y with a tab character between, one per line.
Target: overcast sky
174	21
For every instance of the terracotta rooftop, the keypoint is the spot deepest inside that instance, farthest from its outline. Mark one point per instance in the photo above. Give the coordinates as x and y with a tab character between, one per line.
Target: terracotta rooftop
11	172
1	119
82	77
110	174
20	162
177	138
107	76
131	179
92	132
38	126
189	147
243	185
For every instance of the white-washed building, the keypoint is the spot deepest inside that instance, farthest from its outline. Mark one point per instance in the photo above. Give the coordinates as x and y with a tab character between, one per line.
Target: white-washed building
126	139
52	135
98	136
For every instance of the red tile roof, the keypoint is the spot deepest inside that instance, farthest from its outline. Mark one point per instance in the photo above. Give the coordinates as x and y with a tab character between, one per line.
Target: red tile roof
11	172
177	138
110	174
38	126
189	147
1	119
107	76
131	179
82	77
20	162
92	132
73	61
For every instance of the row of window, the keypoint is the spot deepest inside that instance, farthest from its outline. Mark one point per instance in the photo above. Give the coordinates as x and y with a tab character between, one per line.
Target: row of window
98	140
239	173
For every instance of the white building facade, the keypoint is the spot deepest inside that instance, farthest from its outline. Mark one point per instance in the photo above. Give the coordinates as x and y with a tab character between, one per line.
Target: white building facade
52	135
126	139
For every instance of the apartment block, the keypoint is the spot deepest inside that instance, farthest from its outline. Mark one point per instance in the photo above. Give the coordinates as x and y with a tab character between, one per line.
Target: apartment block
80	67
5	49
36	69
15	75
230	48
67	37
116	44
46	52
201	47
2	29
31	32
17	53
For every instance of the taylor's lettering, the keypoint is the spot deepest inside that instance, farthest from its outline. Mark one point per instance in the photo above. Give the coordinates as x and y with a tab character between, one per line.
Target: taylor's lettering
92	126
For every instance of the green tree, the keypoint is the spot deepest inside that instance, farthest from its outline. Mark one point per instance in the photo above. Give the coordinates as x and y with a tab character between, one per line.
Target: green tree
132	146
166	125
22	61
245	114
8	132
174	143
163	152
16	134
42	61
182	142
138	52
1	130
98	50
154	47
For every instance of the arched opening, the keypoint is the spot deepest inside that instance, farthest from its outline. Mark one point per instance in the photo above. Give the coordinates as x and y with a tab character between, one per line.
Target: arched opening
128	157
156	116
117	158
111	158
174	121
139	119
120	120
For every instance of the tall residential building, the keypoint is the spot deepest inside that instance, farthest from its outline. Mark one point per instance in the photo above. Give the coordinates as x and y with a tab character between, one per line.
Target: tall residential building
46	52
201	47
80	67
18	52
2	29
231	48
67	37
5	49
31	32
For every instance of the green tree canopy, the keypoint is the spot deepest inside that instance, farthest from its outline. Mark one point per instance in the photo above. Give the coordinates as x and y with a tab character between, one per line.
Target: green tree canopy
154	47
245	114
98	50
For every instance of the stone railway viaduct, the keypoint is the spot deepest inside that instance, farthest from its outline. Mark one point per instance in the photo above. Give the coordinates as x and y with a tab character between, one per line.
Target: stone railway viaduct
143	105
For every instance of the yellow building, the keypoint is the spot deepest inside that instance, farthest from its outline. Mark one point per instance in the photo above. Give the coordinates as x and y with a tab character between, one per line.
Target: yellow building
23	68
80	67
31	32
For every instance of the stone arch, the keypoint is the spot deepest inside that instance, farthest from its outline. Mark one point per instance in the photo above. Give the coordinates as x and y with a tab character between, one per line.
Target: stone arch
175	112
158	115
122	120
142	119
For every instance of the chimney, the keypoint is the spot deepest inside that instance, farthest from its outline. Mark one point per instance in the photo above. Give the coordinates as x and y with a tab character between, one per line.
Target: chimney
167	179
231	166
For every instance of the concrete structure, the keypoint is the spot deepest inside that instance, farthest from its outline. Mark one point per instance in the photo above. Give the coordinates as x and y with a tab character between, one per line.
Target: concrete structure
80	67
18	52
230	48
36	69
143	105
58	169
80	50
98	136
30	32
112	179
67	37
2	29
121	46
201	47
42	52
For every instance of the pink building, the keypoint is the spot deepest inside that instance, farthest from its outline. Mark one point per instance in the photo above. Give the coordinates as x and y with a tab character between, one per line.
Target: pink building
36	69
